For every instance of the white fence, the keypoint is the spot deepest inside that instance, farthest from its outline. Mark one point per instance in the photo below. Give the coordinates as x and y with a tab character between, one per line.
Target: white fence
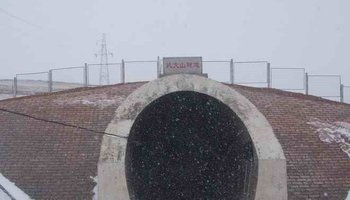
249	73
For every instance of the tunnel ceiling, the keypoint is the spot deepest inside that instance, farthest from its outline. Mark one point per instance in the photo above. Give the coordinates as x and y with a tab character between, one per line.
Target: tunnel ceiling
188	145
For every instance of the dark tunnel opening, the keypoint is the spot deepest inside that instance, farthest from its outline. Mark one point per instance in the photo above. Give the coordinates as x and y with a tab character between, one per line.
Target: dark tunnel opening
188	145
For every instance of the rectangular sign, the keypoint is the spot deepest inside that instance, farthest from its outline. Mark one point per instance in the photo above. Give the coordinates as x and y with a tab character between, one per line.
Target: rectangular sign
182	65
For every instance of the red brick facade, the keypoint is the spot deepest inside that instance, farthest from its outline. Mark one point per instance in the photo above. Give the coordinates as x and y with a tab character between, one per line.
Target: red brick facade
52	161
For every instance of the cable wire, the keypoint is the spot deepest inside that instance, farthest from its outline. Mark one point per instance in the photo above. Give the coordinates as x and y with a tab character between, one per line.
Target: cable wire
61	123
19	18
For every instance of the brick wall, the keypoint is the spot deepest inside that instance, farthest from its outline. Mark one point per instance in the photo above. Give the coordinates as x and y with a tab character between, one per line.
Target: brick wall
316	170
52	161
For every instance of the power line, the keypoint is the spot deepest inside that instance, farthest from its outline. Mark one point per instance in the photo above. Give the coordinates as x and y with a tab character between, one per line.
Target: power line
61	123
41	28
19	19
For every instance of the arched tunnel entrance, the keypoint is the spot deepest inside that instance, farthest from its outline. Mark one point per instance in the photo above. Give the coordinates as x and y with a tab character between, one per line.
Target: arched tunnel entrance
188	145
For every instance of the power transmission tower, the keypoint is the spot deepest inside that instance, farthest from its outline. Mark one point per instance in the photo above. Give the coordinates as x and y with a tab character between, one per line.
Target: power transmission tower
104	53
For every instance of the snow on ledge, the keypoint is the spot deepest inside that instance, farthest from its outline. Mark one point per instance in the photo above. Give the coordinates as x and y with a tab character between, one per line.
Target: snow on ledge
4	195
335	132
12	189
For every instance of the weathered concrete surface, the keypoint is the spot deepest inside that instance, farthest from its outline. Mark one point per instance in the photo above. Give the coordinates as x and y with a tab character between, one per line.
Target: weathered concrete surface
271	184
272	175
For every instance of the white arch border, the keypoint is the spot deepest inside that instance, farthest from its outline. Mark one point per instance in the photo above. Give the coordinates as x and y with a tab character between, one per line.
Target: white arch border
272	173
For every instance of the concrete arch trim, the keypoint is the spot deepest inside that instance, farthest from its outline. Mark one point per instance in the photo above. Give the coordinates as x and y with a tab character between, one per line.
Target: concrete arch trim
272	173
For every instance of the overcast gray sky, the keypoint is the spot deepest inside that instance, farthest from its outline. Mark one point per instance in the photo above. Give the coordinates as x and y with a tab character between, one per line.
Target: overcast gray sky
314	34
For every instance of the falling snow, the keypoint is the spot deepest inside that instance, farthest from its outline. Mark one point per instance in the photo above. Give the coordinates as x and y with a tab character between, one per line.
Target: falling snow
189	146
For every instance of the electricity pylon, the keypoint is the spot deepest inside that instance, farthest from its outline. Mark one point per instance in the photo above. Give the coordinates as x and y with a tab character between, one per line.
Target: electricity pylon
104	53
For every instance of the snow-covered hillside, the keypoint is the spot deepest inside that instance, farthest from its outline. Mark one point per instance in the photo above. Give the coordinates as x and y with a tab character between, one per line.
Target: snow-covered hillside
31	87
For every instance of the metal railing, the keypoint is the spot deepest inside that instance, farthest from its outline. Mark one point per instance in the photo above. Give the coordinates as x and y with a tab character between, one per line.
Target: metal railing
82	83
345	93
217	69
251	73
263	64
337	94
42	85
289	75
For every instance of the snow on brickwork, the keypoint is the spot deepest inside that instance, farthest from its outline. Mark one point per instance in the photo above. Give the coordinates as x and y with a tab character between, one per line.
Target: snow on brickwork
47	149
95	190
96	100
336	132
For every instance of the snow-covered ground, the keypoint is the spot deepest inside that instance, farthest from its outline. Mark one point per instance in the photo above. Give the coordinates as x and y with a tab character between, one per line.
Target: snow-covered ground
30	87
5	96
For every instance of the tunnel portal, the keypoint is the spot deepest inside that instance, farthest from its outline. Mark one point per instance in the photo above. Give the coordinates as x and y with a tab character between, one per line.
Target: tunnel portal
188	145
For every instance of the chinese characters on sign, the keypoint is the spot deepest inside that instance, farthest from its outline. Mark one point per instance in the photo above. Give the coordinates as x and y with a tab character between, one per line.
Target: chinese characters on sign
182	65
